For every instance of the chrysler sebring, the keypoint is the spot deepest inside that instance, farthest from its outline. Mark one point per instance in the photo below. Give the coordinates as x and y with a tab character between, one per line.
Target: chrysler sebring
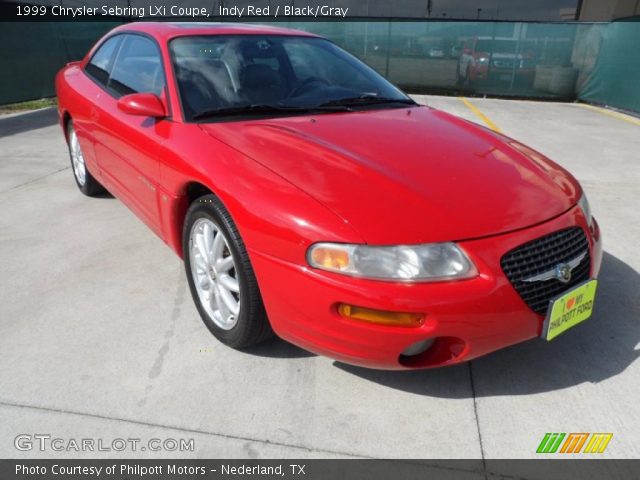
312	199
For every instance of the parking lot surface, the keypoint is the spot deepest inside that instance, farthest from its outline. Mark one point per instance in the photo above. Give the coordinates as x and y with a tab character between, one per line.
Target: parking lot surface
99	337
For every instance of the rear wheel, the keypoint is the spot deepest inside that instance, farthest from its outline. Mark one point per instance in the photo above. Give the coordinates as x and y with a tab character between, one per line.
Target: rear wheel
85	181
220	276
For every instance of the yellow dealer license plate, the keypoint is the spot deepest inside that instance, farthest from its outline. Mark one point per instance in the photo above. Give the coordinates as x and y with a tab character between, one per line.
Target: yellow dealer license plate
569	310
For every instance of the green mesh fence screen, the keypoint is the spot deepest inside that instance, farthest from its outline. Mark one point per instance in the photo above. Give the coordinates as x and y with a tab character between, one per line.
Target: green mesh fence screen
595	62
31	54
615	75
494	58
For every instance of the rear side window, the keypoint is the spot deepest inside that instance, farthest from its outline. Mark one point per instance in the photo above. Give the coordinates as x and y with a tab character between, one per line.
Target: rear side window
138	68
99	67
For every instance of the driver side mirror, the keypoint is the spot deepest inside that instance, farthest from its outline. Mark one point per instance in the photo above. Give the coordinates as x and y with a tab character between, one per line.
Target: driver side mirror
142	104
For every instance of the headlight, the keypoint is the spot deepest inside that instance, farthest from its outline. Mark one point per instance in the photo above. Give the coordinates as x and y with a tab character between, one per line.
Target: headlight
428	262
483	60
583	203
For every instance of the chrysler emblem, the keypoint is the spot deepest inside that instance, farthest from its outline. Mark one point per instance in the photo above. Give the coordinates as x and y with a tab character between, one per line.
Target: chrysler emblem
561	272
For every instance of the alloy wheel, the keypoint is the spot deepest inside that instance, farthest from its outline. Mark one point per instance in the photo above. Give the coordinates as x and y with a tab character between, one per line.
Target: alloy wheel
214	273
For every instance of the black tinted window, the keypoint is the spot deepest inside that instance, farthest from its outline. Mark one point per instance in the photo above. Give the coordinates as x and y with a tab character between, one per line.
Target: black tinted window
138	68
100	64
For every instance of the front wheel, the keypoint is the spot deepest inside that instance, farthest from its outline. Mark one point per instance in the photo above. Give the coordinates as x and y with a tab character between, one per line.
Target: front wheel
220	276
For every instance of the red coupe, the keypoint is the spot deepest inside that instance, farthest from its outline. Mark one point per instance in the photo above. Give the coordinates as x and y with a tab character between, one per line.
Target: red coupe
311	198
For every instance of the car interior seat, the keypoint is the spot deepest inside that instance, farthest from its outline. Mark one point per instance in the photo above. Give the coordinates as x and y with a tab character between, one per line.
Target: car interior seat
261	84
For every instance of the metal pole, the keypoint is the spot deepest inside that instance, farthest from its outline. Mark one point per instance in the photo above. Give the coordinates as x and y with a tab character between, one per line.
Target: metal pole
366	31
515	57
578	10
493	46
388	47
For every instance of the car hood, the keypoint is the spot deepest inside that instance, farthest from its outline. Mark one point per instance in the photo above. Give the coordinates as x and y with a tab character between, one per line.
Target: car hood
408	175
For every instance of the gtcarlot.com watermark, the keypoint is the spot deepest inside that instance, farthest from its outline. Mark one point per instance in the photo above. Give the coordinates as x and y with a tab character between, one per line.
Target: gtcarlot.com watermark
48	443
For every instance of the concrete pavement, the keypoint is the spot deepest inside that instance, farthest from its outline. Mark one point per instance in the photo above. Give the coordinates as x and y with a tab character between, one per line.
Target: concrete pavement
99	336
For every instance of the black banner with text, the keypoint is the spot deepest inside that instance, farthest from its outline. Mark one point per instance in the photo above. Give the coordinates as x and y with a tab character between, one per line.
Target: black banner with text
319	469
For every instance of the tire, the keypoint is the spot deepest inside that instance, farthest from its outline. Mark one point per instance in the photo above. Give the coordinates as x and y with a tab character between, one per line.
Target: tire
86	183
209	239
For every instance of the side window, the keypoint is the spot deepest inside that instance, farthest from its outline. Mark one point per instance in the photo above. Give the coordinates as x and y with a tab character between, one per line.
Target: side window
138	68
99	67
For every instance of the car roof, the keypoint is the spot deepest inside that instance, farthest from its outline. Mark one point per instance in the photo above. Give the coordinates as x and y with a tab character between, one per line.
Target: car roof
167	30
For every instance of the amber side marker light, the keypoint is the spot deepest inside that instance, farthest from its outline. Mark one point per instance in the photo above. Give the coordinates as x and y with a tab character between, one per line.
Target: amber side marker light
330	258
381	317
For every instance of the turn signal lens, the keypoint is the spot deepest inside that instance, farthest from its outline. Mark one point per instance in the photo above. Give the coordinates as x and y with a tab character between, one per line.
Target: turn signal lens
381	317
331	258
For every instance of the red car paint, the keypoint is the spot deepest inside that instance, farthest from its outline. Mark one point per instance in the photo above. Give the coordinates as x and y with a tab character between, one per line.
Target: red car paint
382	177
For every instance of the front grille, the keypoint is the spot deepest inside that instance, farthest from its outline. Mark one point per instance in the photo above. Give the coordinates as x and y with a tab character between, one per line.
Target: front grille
542	255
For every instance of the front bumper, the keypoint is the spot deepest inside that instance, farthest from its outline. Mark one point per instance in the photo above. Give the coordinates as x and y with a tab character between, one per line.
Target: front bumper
468	318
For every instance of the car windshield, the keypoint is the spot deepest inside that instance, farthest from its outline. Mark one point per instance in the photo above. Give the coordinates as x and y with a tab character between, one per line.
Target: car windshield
226	76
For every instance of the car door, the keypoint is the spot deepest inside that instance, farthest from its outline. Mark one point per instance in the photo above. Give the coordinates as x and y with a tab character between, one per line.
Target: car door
128	148
98	69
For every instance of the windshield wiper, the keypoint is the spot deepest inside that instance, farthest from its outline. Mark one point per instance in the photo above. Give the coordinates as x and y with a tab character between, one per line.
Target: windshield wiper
367	99
264	108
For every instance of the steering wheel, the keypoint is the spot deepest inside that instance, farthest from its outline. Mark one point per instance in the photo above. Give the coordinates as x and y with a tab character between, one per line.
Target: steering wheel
305	83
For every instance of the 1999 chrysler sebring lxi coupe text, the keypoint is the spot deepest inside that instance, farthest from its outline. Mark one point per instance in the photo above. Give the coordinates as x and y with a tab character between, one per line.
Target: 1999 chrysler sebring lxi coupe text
311	198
